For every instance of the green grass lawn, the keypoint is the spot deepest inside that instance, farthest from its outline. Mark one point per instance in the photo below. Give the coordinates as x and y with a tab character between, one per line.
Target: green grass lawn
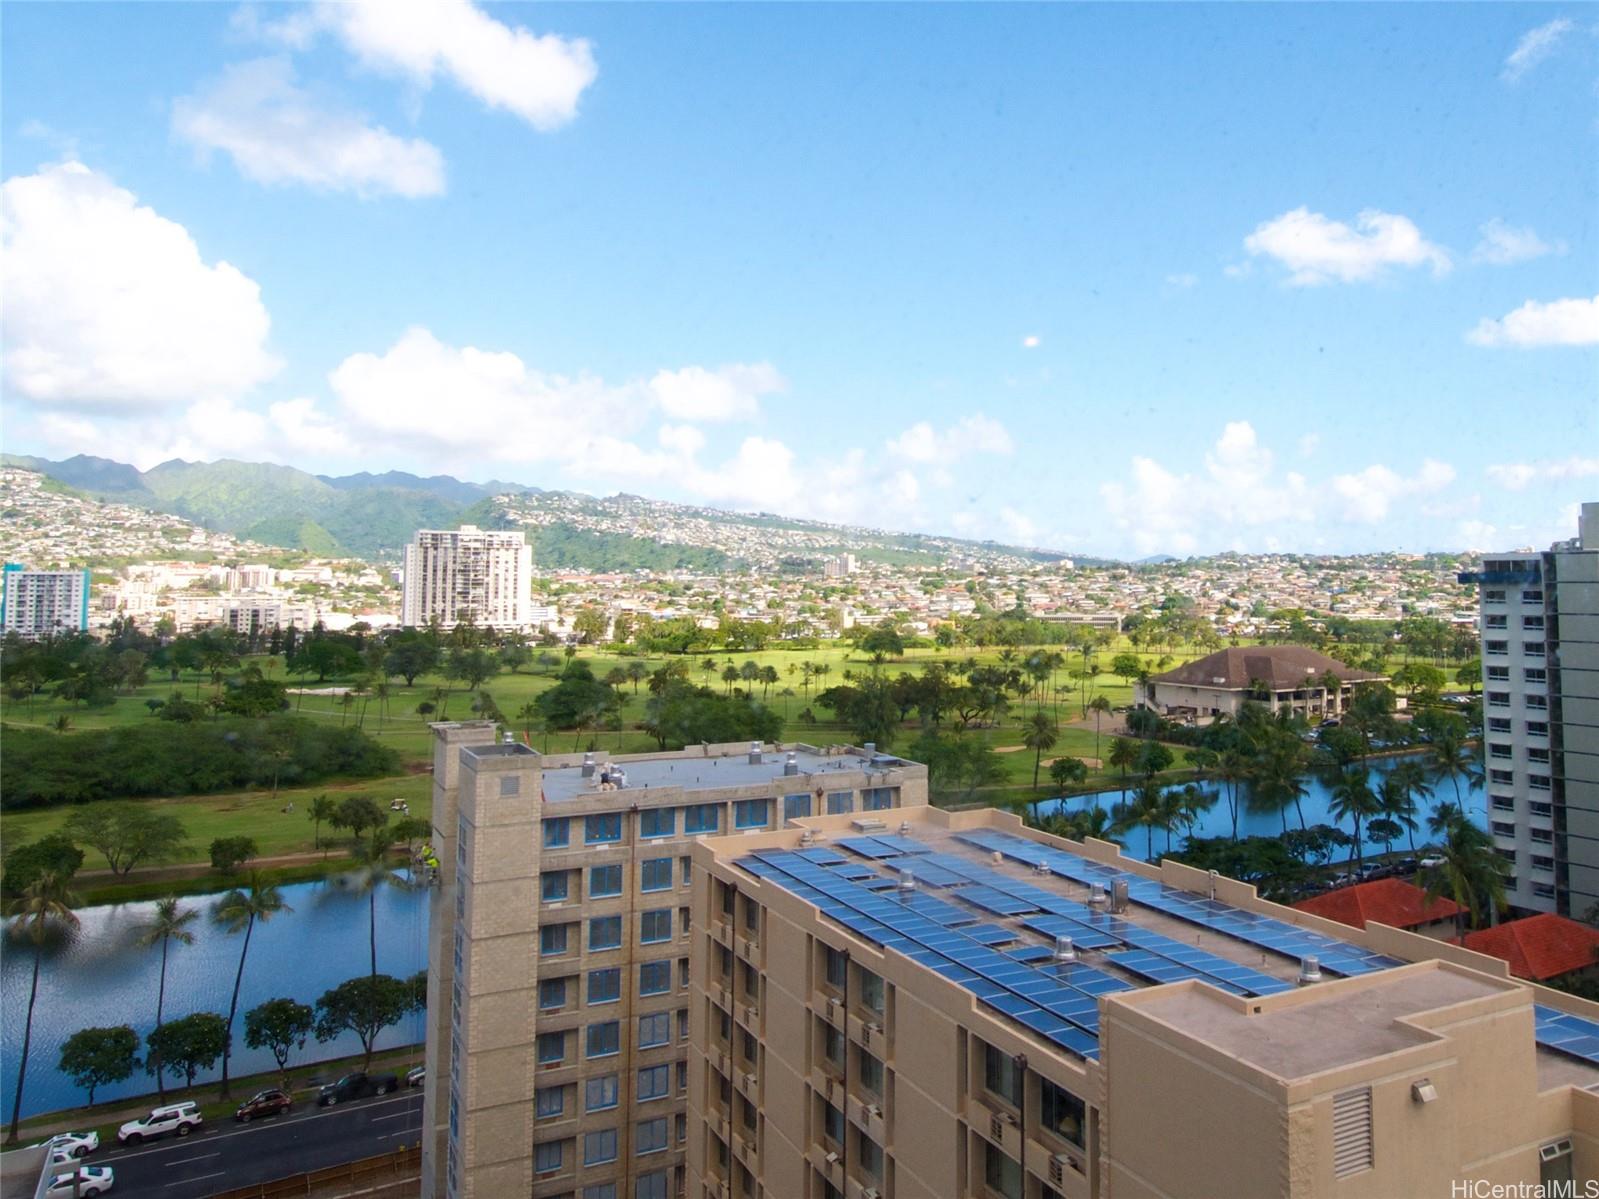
254	813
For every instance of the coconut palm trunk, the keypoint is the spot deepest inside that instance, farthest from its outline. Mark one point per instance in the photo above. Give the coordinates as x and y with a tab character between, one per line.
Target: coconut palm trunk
27	1041
233	1003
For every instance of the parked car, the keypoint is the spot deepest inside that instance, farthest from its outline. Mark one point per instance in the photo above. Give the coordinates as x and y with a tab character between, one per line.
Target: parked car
89	1180
270	1102
180	1119
416	1076
356	1086
72	1144
1431	862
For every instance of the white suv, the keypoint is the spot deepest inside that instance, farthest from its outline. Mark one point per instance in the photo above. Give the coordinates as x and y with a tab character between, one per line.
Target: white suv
180	1119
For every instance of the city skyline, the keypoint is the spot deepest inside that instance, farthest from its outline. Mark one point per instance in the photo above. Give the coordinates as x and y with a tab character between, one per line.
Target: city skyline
1105	281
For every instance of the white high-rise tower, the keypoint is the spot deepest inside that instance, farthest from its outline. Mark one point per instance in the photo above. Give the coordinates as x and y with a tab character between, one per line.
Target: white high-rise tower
468	573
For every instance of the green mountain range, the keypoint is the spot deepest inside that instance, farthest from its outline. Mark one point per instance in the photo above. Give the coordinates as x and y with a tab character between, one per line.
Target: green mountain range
372	516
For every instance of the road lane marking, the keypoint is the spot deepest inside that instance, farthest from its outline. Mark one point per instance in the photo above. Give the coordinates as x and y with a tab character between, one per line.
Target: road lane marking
266	1126
183	1161
183	1182
395	1116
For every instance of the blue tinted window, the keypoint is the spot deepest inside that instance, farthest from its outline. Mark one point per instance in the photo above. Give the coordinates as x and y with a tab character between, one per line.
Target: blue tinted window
654	977
796	806
551	1046
605	932
751	813
840	801
599	1147
655	874
604	826
654	1029
552	993
604	880
657	822
702	818
552	939
547	1156
605	986
651	1135
654	1082
599	1093
603	1039
552	886
557	832
655	926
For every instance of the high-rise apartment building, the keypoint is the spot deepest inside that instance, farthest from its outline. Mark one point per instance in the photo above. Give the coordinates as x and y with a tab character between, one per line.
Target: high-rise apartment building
558	966
39	603
1539	616
955	1007
467	574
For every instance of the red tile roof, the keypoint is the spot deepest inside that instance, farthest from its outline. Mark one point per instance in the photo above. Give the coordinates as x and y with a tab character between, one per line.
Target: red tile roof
1386	901
1539	947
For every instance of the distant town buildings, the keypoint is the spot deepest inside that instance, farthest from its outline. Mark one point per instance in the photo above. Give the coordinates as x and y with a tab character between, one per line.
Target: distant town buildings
467	574
39	603
839	566
1540	675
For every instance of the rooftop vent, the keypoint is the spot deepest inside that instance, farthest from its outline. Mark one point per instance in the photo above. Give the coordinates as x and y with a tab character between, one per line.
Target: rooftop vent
1118	895
870	747
791	763
588	765
904	828
1096	896
1065	951
755	753
997	858
1309	970
907	883
508	737
807	837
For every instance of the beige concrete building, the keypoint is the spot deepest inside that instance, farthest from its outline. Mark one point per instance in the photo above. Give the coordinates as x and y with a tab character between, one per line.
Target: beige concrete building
1278	676
558	965
1024	1017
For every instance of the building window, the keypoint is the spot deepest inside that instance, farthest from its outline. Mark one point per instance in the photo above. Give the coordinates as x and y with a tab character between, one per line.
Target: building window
602	827
840	801
1535	674
1498	699
1540	809
832	1123
650	1136
1502	828
876	799
549	1102
552	939
1534	649
605	881
832	1045
553	886
547	1156
1498	751
599	1147
557	833
1543	890
1499	724
1061	1113
1537	756
1537	728
1497	674
871	988
1502	778
654	1029
1532	623
752	813
651	1185
605	986
702	818
1496	621
1538	703
552	993
600	1190
1001	1172
654	1082
551	1047
599	1094
654	978
1497	648
834	967
657	822
871	1072
1532	595
1538	782
1539	862
655	874
870	1156
655	926
796	807
604	1039
1000	1075
1541	836
605	932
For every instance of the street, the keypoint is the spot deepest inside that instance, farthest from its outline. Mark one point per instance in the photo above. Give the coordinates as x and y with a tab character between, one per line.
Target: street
225	1155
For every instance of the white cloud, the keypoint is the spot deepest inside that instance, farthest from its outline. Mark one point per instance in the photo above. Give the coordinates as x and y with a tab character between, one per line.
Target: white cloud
1316	249
278	133
1308	444
1516	476
1573	322
975	434
109	303
1476	534
1369	494
1506	245
1535	46
727	393
1182	282
537	77
1030	342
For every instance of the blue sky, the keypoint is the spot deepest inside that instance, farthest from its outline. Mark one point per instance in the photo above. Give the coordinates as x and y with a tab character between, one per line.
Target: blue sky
1117	279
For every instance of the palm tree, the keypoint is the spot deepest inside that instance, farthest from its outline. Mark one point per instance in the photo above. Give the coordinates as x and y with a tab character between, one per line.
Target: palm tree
321	808
1353	799
1123	755
1099	705
1038	734
1277	786
370	857
1472	872
171	923
1450	758
44	909
238	911
1148	812
1232	768
1406	783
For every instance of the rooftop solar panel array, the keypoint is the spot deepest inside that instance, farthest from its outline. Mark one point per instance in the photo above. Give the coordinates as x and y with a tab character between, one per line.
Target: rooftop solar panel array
1266	932
1575	1036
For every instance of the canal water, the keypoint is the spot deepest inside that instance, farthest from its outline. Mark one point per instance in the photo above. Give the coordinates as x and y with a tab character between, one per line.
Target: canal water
104	978
1218	821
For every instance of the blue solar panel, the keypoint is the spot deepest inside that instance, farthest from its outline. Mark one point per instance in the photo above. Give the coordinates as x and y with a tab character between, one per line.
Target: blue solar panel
1575	1036
868	847
901	844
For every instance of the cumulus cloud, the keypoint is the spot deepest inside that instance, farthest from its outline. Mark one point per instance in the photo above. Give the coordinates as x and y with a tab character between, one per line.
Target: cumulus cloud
1573	322
1535	46
1506	245
1030	342
537	77
277	132
726	393
975	434
1370	494
1516	476
1182	282
1316	249
109	303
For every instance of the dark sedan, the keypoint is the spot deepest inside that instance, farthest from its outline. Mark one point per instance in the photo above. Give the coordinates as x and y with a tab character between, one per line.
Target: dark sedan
267	1103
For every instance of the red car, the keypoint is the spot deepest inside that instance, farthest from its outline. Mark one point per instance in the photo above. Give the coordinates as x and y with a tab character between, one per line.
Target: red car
266	1103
